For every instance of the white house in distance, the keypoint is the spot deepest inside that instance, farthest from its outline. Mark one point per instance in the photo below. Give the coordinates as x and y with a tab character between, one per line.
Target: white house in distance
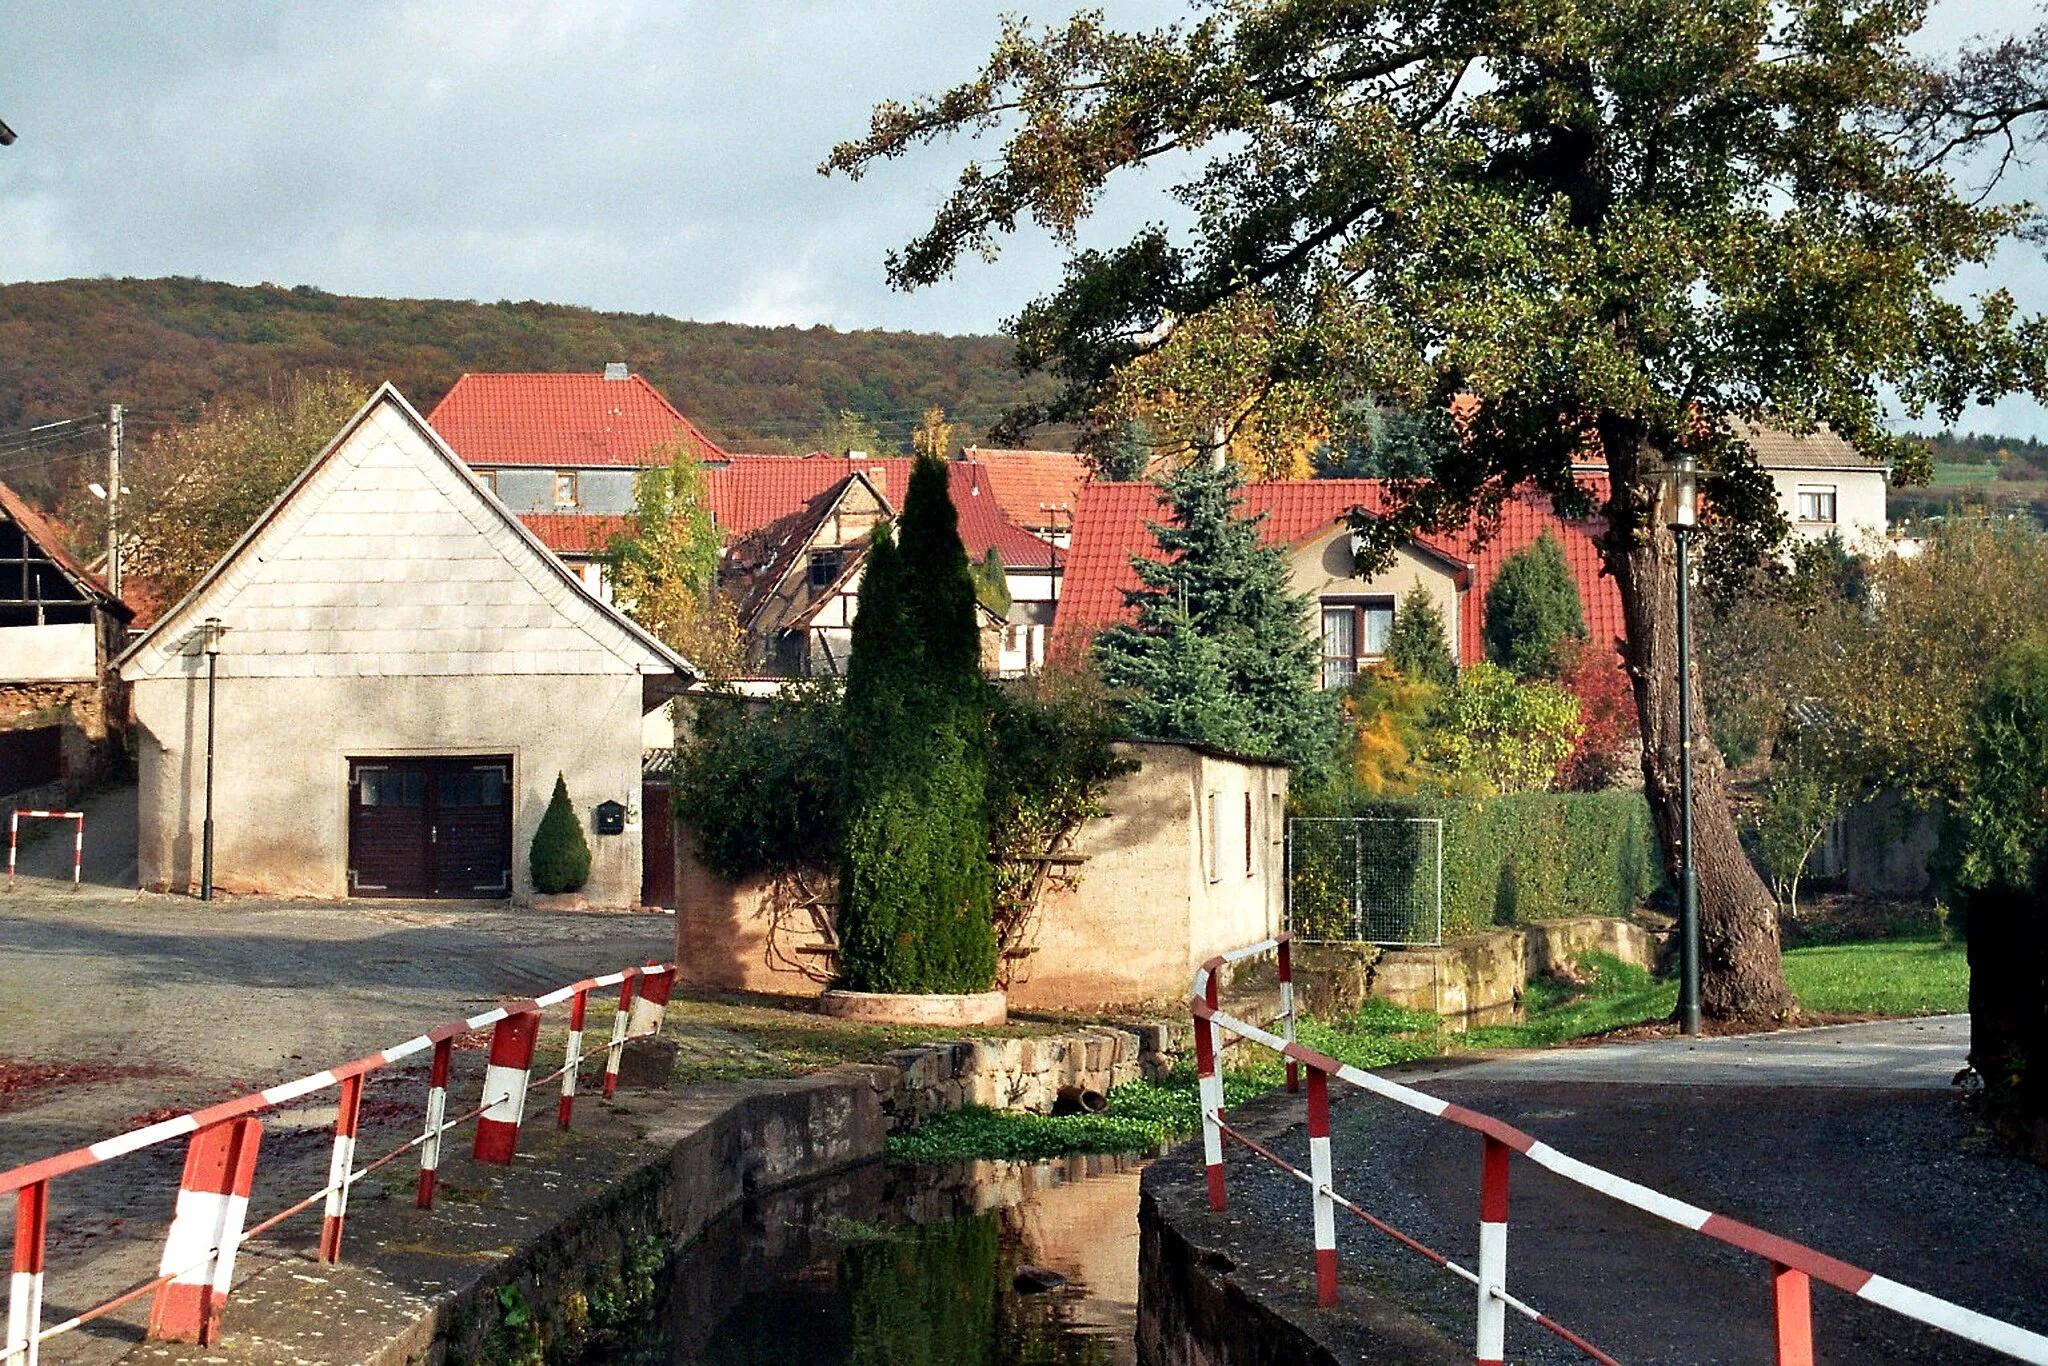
403	671
1825	486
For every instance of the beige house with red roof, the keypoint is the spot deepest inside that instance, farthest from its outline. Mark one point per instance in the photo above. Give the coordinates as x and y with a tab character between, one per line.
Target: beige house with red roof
1311	519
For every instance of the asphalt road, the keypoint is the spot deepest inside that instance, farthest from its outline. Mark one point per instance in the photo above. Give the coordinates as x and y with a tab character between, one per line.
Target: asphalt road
1848	1139
119	1007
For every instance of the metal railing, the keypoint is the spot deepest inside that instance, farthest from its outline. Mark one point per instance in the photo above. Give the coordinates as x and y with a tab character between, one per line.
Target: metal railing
197	1268
1793	1266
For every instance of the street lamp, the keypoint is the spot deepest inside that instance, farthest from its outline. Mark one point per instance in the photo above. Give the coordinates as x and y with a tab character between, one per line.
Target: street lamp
1682	476
213	631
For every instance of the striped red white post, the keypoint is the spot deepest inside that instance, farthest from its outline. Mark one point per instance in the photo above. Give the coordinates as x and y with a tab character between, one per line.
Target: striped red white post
650	1012
573	1058
13	844
1323	1176
1792	1296
1493	1253
199	1252
619	1023
505	1078
437	1109
1287	1008
25	1289
341	1167
1209	1082
77	846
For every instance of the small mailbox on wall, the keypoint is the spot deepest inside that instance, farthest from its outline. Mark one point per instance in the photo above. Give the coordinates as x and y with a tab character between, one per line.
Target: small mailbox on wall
610	818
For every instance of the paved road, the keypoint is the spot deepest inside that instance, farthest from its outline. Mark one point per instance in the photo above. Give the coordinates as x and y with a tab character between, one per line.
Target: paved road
156	1004
1848	1139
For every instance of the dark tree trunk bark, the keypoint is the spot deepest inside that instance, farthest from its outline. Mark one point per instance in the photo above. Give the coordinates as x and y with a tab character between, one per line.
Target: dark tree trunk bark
1741	976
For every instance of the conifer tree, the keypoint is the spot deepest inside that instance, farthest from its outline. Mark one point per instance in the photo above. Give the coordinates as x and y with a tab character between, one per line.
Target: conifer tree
1221	649
1532	609
915	884
560	857
1418	645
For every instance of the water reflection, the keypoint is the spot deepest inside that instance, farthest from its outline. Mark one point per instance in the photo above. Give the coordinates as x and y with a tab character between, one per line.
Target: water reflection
913	1266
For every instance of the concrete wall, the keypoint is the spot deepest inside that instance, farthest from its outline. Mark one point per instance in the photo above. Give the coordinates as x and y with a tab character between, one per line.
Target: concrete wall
1141	915
50	654
282	747
1479	979
1880	847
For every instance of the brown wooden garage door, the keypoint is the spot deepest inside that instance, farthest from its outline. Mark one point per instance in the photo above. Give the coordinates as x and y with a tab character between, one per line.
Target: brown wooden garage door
439	827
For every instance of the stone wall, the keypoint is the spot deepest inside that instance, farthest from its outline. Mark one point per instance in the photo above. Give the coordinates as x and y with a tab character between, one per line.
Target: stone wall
1026	1074
1477	979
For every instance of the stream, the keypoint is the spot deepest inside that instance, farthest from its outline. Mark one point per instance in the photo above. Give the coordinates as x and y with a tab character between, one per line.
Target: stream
888	1265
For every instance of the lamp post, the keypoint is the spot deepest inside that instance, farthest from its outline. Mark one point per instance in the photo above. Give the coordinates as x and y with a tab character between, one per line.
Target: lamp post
1683	481
214	631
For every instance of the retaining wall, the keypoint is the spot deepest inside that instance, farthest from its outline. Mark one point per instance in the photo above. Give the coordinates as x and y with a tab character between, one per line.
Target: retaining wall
1477	979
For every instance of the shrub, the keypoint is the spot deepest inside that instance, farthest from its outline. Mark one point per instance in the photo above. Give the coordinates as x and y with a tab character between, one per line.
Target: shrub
1419	646
1609	729
915	884
1529	857
1532	609
1493	733
759	784
560	857
1389	716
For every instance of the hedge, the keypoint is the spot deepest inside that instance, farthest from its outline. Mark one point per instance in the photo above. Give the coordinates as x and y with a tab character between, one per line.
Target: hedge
1529	857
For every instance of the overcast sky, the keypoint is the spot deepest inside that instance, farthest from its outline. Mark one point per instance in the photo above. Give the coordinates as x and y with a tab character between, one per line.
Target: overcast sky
645	155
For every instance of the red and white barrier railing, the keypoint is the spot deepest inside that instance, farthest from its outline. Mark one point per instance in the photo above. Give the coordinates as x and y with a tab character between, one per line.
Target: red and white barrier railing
1794	1267
197	1269
77	839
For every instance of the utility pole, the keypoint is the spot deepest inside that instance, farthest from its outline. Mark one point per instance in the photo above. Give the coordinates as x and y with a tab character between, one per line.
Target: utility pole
114	500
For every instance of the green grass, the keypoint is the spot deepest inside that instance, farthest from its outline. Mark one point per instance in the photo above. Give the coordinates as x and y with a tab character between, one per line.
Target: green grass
1880	977
1962	476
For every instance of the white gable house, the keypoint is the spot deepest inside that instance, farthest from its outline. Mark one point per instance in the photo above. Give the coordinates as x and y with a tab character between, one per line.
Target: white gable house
402	671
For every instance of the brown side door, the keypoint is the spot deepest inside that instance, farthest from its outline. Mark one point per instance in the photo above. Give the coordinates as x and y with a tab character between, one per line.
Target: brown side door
431	827
657	846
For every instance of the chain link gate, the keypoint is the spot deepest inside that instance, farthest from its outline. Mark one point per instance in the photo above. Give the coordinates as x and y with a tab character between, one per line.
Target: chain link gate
1366	879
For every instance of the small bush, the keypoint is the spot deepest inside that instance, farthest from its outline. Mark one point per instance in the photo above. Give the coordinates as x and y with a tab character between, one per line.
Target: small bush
560	858
1532	609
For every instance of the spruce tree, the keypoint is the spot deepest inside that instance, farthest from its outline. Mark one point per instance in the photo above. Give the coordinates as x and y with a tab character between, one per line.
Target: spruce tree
1418	645
560	857
915	885
1532	609
1221	649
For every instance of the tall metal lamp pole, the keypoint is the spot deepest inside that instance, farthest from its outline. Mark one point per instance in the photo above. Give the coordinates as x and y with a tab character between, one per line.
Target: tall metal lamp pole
214	631
1684	478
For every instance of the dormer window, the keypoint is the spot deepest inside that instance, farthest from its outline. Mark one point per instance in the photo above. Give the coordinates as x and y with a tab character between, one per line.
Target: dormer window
565	489
825	567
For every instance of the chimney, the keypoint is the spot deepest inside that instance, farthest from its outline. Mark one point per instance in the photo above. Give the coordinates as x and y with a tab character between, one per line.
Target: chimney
617	370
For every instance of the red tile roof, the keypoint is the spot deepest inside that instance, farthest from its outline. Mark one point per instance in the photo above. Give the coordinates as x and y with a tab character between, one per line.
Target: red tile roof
576	533
983	525
753	490
562	421
1027	483
1109	528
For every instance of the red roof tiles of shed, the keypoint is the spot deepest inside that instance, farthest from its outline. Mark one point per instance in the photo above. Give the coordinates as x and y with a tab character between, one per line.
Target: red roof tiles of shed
567	421
576	533
1109	528
1029	483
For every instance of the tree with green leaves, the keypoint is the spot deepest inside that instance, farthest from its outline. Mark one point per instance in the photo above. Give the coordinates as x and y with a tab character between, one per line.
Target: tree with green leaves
992	583
1533	610
1220	649
663	568
915	884
844	430
1586	230
1419	645
1996	854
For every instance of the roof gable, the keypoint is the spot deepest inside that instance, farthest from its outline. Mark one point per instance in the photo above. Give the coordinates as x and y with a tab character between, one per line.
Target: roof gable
39	533
566	421
385	557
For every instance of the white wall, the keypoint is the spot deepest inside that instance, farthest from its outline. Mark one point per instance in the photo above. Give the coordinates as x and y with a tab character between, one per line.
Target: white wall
66	653
1859	504
281	752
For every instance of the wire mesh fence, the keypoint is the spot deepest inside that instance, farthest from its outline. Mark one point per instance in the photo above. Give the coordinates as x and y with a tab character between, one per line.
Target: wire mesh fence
1366	879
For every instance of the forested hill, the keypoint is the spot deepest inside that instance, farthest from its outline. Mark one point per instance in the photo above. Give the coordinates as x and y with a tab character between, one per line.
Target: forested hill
167	348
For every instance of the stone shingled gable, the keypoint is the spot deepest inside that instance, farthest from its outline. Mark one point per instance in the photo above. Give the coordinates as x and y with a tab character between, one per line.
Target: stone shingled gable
387	559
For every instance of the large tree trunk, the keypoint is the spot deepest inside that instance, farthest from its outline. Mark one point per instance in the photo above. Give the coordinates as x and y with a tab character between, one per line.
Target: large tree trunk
1741	976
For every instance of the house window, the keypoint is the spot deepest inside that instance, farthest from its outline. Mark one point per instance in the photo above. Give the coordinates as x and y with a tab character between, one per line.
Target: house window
825	566
1817	503
1354	634
488	478
565	488
1247	834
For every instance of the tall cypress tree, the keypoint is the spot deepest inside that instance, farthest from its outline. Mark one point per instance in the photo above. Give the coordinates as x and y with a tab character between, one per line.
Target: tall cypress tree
1221	649
915	885
1533	608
